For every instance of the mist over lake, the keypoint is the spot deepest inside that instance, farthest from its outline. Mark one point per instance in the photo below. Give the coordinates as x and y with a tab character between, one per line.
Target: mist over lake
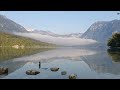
65	41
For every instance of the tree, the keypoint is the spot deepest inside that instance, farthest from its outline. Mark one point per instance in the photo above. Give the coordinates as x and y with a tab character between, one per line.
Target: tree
114	41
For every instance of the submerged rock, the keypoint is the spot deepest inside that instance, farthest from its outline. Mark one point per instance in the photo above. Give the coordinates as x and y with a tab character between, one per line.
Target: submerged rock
32	72
63	73
72	76
3	70
44	68
54	69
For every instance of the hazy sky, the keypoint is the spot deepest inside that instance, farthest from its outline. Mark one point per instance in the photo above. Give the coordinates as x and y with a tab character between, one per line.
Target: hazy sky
61	22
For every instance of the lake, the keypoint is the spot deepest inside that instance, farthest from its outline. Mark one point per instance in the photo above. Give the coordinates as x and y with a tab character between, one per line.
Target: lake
86	63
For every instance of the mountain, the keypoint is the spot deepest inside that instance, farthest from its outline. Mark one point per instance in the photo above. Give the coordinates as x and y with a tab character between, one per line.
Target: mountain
43	32
9	26
54	34
102	30
73	35
10	40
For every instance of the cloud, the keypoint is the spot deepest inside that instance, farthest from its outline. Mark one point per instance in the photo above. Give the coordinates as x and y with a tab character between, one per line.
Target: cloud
67	41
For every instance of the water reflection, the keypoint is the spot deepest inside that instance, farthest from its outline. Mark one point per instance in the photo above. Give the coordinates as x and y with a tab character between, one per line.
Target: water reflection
46	57
114	54
10	53
66	53
86	63
102	63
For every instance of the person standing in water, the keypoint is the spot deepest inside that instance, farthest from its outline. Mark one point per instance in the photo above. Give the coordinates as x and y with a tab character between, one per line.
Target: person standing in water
39	65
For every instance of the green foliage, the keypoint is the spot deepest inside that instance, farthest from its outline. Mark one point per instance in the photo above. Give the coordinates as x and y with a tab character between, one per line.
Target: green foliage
114	41
8	40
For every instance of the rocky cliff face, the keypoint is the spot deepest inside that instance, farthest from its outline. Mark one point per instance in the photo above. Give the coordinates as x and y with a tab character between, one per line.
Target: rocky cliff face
43	32
102	30
9	26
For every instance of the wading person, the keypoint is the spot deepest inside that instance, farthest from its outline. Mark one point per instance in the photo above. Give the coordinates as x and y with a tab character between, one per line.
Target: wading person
39	65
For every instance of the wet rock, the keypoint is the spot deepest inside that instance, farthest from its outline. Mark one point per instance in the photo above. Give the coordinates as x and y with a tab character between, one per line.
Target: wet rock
3	70
54	69
32	72
72	76
63	73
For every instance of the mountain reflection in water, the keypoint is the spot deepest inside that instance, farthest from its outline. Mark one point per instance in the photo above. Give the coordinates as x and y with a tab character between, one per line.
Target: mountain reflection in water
86	63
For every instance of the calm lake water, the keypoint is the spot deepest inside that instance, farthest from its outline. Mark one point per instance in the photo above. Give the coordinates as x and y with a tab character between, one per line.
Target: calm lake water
87	63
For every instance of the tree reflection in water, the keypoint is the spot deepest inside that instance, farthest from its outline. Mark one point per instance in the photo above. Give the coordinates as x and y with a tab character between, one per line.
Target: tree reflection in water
114	53
10	53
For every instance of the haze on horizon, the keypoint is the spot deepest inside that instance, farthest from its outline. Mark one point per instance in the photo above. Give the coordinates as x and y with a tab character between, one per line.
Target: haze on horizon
61	22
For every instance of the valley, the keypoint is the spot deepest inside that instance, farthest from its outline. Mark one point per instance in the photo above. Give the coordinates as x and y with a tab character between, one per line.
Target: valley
42	53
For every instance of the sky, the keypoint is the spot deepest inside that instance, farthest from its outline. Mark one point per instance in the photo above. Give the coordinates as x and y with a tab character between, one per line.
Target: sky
61	22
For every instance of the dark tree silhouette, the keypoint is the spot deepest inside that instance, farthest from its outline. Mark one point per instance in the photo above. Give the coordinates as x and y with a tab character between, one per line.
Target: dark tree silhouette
114	41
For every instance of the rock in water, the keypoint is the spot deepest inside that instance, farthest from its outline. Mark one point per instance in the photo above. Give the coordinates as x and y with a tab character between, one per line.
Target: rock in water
3	70
44	68
54	69
63	73
32	72
72	76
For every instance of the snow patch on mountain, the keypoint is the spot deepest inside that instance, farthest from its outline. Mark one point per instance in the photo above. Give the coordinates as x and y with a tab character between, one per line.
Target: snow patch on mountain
29	29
